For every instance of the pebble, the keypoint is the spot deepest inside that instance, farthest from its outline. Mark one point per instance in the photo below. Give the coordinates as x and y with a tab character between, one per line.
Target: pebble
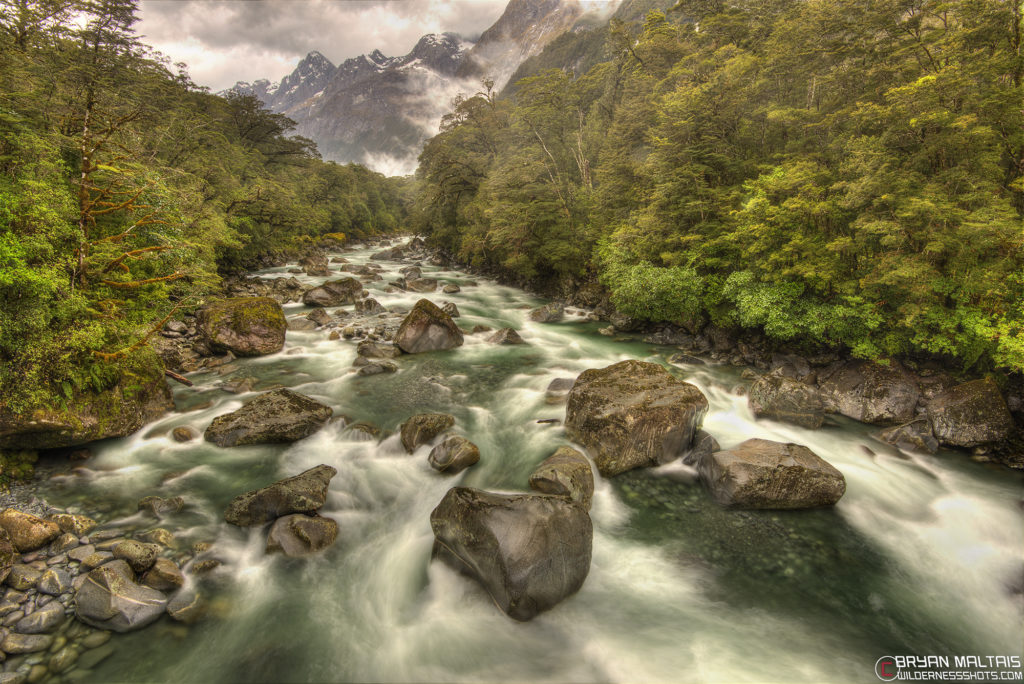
23	577
55	560
97	559
82	552
25	643
8	607
95	639
15	596
12	678
109	544
36	674
12	618
42	621
54	582
94	657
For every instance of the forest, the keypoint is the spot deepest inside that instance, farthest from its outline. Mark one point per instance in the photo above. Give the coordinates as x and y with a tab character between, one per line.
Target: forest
838	173
126	191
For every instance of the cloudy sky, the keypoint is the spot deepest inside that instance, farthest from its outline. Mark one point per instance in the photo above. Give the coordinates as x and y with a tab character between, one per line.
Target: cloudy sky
224	41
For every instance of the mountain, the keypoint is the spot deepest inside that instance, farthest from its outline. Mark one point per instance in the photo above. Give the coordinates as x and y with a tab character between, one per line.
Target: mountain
379	110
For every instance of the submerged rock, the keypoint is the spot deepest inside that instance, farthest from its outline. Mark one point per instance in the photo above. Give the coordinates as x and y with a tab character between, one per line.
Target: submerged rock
970	415
870	392
763	474
427	328
424	427
303	493
453	455
334	293
277	416
528	551
110	600
301	535
244	326
780	398
565	473
633	414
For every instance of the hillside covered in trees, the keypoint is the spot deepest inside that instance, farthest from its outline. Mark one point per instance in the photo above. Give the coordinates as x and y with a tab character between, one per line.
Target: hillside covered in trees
834	172
125	189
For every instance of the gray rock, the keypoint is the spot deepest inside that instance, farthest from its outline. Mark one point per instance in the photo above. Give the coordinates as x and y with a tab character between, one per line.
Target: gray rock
301	324
421	284
23	577
334	293
369	306
377	350
164	576
110	600
304	493
451	288
96	559
971	414
377	367
529	552
913	436
138	555
319	316
506	336
315	265
427	328
780	398
301	535
424	427
63	659
703	445
453	455
870	392
186	606
82	552
762	474
565	473
55	581
549	313
42	621
277	416
184	433
686	359
450	309
633	414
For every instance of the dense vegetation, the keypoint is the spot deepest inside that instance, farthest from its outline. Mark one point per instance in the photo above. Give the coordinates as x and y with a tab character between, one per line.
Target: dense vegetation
839	172
125	190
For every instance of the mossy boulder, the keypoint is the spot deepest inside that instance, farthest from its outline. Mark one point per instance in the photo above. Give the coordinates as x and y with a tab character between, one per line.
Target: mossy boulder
971	414
787	400
427	328
139	395
870	392
244	326
334	293
279	416
633	414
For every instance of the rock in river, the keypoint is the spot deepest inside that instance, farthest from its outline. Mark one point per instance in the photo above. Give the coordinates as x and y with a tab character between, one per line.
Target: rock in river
334	293
453	455
528	551
109	600
424	427
304	493
870	392
301	535
633	414
427	328
244	326
565	473
780	398
970	414
506	336
277	416
27	532
549	313
762	474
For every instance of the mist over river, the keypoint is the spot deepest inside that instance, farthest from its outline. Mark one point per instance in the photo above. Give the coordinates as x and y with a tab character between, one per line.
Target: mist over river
923	555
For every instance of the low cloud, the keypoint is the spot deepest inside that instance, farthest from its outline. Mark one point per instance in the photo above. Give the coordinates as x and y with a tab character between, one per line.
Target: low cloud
224	41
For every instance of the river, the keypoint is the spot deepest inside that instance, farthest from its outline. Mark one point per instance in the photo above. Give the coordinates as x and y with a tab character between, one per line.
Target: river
923	555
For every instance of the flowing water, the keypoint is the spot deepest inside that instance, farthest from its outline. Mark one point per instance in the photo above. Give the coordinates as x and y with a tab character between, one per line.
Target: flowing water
923	555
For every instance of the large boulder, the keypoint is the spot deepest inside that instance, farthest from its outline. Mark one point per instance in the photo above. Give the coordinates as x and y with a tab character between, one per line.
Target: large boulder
277	416
762	474
529	552
781	398
303	493
870	392
244	326
315	265
27	532
453	455
633	414
565	473
109	600
427	328
424	427
140	395
301	535
392	254
970	415
334	293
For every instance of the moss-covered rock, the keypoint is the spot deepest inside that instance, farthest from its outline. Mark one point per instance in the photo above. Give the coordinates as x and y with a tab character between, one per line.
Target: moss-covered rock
245	326
139	395
971	414
278	416
427	328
